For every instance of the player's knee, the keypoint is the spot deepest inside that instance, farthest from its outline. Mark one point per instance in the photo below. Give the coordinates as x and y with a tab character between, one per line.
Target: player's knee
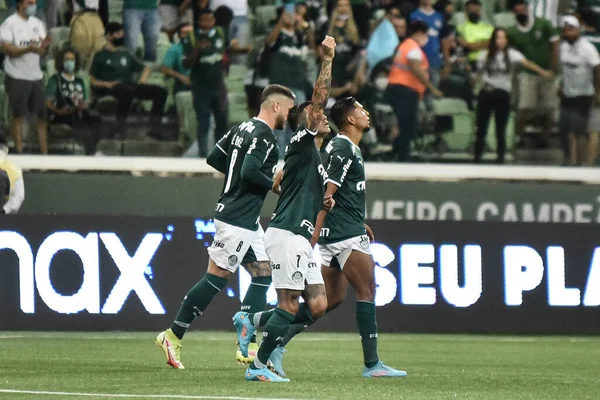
366	292
318	307
333	303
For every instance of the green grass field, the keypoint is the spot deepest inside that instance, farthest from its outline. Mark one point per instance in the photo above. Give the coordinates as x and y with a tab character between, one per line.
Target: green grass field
321	366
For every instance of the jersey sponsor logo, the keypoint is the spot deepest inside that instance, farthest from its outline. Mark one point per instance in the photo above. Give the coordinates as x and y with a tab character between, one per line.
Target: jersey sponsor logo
346	169
297	277
298	136
218	244
220	207
291	51
232	260
212	59
271	147
361	186
364	242
312	265
325	232
323	172
275	266
237	141
309	226
247	126
252	146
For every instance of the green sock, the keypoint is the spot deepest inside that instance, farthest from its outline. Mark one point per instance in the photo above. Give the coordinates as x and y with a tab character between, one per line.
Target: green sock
196	301
260	319
293	330
256	297
302	320
274	332
367	327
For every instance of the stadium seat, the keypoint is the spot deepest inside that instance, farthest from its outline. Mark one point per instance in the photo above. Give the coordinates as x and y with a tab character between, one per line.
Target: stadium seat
504	20
463	121
490	141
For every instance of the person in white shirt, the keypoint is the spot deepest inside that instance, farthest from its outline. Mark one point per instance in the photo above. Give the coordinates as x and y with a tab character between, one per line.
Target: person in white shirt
23	39
580	86
496	67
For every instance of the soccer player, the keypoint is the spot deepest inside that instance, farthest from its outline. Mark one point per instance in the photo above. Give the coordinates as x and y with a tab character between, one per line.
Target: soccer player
287	240
344	242
247	155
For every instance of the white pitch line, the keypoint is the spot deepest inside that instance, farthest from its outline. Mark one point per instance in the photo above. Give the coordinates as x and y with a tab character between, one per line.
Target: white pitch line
144	396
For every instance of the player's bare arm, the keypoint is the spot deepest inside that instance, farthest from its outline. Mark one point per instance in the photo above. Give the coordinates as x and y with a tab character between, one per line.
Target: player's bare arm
370	233
277	182
327	199
322	86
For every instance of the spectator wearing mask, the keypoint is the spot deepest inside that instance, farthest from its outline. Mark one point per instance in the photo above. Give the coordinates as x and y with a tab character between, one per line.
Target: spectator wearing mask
172	65
204	49
343	28
141	16
387	36
580	86
590	32
496	68
15	184
40	8
87	31
173	14
474	35
68	101
287	49
538	41
361	12
23	41
408	80
112	74
435	22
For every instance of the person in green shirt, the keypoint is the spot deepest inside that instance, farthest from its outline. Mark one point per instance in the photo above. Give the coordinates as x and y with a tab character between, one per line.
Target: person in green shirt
172	65
204	49
68	101
141	16
538	41
112	74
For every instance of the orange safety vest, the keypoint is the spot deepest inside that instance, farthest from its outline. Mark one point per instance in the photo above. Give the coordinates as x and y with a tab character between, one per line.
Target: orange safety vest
401	73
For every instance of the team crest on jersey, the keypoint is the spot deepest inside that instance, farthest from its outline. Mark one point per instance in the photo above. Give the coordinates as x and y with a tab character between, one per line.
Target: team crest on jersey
364	243
297	277
218	43
232	260
123	61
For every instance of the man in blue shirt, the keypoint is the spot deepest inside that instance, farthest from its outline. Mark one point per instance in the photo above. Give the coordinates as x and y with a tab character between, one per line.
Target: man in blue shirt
172	64
435	21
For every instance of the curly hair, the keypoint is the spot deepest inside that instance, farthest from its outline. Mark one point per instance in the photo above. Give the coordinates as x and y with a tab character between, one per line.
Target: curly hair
350	28
60	57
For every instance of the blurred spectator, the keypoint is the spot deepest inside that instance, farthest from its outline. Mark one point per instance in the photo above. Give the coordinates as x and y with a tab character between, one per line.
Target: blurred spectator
172	64
408	81
386	37
68	101
287	49
590	32
580	67
496	67
204	49
456	74
359	9
538	41
24	40
173	13
40	8
87	31
4	189
435	22
141	16
112	74
303	25
446	8
474	35
586	6
16	193
547	9
345	64
239	27
197	7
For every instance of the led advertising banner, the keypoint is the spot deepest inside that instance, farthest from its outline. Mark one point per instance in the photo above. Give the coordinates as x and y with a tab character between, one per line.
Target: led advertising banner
131	273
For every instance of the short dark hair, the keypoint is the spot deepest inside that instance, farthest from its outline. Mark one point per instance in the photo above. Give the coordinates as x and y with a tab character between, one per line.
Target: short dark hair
205	11
295	114
417	27
473	3
60	59
272	90
112	27
340	111
223	16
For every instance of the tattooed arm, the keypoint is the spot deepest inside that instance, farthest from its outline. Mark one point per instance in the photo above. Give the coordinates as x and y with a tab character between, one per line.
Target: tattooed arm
322	86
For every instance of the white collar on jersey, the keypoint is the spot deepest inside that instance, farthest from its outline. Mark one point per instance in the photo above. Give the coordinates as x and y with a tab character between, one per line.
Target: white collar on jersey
348	139
263	121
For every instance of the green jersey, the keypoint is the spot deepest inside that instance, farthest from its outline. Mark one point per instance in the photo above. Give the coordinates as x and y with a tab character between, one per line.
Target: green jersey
209	67
346	170
534	41
286	63
116	65
303	186
240	202
66	92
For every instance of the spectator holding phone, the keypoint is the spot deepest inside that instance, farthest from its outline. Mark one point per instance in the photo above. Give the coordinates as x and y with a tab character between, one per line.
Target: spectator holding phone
23	41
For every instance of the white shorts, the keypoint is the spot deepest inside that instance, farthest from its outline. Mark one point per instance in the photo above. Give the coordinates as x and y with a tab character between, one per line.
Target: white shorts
231	244
342	250
293	264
